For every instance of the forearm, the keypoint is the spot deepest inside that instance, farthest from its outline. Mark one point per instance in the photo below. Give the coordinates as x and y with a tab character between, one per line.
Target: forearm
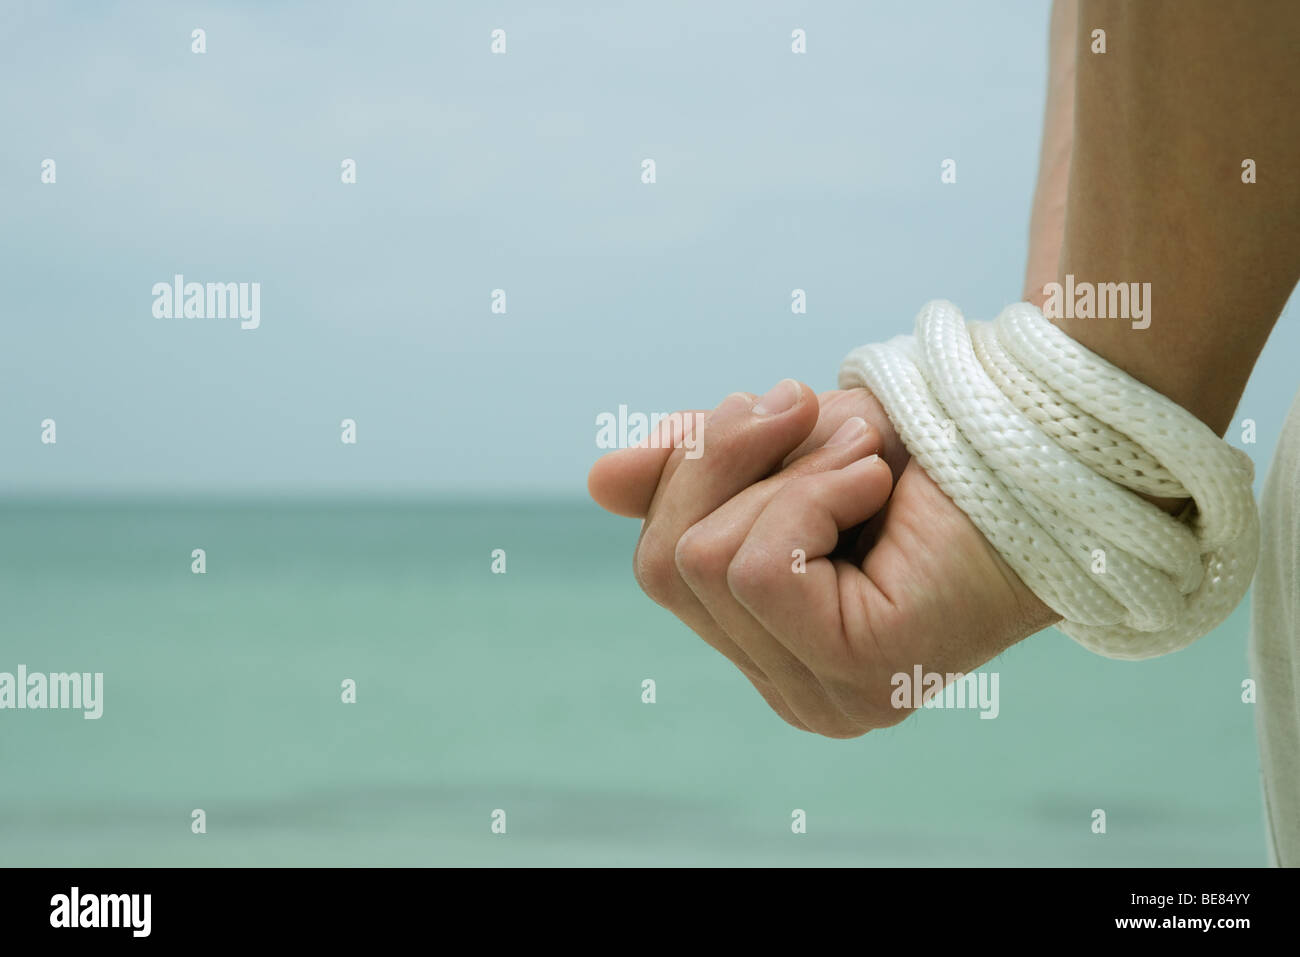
1163	120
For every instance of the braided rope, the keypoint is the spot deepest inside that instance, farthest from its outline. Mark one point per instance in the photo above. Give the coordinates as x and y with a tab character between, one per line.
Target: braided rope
1044	446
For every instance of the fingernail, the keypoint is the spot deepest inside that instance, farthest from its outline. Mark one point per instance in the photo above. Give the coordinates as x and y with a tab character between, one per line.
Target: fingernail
781	398
850	431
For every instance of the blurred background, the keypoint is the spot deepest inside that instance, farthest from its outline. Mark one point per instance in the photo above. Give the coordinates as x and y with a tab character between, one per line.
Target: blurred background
372	561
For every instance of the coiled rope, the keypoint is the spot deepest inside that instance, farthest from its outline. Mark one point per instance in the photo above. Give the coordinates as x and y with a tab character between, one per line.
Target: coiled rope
1045	445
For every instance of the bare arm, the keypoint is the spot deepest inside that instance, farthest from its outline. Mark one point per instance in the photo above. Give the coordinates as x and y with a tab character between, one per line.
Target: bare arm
1163	121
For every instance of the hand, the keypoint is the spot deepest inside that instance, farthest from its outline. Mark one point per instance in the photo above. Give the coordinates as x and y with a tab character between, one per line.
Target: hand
821	646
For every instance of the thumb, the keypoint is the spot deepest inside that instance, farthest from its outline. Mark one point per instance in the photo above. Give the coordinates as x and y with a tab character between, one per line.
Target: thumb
624	481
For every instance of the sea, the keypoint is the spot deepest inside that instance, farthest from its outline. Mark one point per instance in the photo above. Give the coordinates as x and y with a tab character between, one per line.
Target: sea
464	683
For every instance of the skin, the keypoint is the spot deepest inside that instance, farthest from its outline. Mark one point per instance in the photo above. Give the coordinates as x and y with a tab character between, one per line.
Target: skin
1204	85
1140	181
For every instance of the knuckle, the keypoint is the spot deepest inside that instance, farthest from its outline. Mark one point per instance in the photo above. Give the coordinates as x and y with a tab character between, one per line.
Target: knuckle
701	557
653	568
751	573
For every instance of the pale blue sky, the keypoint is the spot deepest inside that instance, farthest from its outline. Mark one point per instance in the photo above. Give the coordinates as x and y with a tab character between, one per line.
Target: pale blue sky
477	172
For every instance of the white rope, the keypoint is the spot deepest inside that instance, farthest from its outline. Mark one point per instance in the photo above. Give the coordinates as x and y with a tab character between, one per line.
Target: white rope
1045	445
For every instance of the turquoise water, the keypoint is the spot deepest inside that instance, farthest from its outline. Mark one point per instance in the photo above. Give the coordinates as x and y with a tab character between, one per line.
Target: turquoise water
522	692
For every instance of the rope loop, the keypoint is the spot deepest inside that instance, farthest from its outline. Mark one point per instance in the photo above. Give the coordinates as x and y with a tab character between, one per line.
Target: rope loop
1048	448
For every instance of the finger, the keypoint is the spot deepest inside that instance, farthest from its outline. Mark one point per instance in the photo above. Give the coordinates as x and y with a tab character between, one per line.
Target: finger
815	613
624	482
706	550
837	407
743	439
